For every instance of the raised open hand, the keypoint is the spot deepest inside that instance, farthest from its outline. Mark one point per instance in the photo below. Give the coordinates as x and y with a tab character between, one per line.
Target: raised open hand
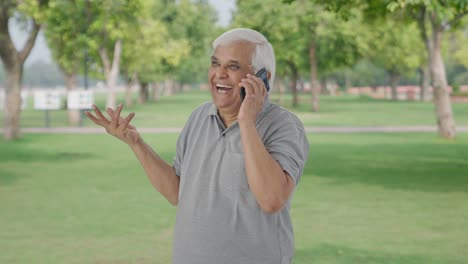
117	126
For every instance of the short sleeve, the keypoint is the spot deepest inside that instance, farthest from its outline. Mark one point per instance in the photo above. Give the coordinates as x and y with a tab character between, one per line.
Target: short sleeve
288	145
181	147
184	138
180	150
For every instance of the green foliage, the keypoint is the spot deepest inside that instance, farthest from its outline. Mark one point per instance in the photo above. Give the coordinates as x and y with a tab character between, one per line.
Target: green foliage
443	11
148	46
292	27
171	39
278	22
396	47
66	34
35	9
366	73
458	41
109	21
341	43
192	23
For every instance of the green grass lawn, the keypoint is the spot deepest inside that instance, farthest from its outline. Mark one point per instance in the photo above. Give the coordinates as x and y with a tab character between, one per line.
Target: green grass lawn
344	110
364	198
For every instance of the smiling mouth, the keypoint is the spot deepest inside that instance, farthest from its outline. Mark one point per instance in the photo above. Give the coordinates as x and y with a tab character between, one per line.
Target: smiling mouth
223	88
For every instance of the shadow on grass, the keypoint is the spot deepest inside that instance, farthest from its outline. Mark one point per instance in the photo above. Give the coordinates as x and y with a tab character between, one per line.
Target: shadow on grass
19	152
7	177
333	254
432	167
27	155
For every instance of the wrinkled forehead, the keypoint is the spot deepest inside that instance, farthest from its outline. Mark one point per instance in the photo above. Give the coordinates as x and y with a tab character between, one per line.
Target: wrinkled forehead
240	51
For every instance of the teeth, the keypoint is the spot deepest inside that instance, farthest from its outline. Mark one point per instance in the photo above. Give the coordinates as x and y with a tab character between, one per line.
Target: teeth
223	86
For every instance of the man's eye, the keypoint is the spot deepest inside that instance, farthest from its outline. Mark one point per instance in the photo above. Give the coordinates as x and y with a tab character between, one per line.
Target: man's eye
214	63
233	67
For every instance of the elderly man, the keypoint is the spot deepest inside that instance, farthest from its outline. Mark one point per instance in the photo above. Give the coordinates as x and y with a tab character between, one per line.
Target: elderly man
237	162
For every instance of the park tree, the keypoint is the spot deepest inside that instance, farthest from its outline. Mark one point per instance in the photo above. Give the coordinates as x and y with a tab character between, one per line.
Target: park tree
434	18
191	23
340	43
32	13
456	56
65	31
278	22
109	24
304	30
194	22
395	47
149	48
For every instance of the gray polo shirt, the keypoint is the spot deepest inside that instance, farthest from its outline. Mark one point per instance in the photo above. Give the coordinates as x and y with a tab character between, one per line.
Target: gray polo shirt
218	219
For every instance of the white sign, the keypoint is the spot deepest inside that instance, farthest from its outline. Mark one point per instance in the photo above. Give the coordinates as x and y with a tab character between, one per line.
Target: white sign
47	100
24	100
83	99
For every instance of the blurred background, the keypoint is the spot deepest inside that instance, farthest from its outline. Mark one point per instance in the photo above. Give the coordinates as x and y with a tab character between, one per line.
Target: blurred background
380	85
388	50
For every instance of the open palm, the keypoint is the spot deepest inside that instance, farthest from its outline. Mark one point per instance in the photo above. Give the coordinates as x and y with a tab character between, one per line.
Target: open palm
117	126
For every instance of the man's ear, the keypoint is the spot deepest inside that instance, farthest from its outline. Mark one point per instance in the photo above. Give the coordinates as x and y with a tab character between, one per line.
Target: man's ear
268	75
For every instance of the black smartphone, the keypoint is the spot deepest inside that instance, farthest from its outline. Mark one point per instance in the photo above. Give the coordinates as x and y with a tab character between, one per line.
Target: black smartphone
262	74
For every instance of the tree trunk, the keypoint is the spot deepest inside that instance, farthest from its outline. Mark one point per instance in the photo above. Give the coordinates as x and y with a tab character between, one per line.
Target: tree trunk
169	86
128	94
130	82
13	61
12	112
424	82
394	80
293	82
111	71
315	86
74	115
425	71
282	89
143	94
156	92
323	86
443	105
177	87
347	79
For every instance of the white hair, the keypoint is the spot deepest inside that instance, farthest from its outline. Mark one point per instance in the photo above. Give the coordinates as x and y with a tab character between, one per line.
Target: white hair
263	55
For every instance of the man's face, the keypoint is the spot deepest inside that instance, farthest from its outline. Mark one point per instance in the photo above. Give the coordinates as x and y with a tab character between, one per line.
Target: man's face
229	64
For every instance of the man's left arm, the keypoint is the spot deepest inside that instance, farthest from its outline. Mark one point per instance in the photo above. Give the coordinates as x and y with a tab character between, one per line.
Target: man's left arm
269	183
267	169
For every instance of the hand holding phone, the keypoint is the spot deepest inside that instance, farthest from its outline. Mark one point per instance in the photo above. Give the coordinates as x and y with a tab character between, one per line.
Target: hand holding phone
262	74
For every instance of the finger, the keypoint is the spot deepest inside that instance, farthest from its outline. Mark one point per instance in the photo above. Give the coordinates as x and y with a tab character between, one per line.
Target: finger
249	84
126	121
100	115
117	114
93	118
258	83
112	113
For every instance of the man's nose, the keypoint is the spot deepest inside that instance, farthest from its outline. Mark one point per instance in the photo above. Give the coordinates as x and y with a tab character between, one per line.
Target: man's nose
221	72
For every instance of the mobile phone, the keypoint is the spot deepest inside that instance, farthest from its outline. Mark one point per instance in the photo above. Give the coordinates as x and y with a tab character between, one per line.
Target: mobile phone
262	74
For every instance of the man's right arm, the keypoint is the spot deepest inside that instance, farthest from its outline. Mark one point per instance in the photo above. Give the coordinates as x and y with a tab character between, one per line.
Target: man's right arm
161	175
159	172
